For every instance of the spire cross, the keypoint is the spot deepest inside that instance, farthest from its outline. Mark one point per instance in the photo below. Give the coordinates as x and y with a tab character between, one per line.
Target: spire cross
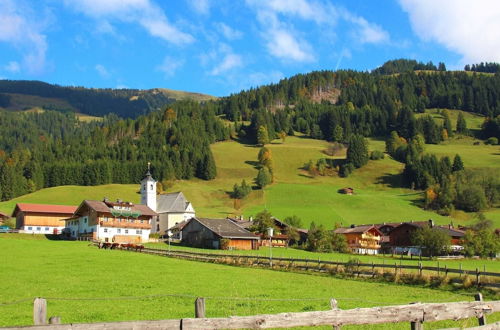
149	165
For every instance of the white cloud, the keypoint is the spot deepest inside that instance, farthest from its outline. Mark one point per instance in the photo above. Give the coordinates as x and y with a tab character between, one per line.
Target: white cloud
12	67
102	71
229	62
143	12
25	33
228	32
284	41
469	28
200	6
284	45
260	78
170	65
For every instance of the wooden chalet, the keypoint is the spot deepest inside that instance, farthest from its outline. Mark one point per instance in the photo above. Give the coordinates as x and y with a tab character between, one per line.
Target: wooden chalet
4	217
400	236
41	218
120	222
362	239
214	233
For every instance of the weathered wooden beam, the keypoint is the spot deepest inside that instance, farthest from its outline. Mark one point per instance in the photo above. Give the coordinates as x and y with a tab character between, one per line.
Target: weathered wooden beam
39	311
199	308
375	315
481	319
133	325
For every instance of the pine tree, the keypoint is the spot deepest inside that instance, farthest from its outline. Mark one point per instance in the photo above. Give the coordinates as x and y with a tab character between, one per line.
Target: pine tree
262	136
458	165
338	133
263	178
357	152
447	123
461	124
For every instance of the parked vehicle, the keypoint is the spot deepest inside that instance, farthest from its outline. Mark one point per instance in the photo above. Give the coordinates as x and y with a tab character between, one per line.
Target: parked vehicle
5	229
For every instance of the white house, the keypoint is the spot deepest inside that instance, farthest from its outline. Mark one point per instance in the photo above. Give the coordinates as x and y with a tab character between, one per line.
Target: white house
172	208
107	221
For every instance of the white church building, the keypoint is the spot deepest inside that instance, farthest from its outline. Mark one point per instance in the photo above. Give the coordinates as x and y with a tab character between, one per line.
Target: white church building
172	208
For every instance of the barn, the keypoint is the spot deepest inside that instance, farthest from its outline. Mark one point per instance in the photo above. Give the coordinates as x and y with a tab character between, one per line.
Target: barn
41	218
218	234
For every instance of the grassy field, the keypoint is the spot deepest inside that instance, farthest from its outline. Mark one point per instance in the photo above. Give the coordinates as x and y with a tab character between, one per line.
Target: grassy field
84	284
378	198
466	264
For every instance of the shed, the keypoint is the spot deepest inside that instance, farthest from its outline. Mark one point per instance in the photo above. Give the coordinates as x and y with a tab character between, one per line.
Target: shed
210	233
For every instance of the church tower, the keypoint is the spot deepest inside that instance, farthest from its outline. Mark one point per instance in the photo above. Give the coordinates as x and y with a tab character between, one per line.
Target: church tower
148	190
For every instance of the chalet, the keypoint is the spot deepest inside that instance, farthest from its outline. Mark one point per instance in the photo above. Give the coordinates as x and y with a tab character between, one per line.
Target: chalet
218	234
400	236
362	239
121	222
171	208
280	237
41	218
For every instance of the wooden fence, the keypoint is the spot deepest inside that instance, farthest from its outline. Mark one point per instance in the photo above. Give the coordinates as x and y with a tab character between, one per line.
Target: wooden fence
416	314
317	265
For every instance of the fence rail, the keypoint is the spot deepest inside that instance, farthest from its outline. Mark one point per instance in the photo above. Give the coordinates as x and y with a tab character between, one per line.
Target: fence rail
318	265
416	314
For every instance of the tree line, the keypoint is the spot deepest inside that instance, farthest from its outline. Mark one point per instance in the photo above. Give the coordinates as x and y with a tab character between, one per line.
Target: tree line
48	149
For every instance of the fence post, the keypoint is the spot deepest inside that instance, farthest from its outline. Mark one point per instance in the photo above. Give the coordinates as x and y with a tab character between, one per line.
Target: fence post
373	269
478	279
55	320
39	311
319	264
420	268
199	308
482	319
417	325
334	306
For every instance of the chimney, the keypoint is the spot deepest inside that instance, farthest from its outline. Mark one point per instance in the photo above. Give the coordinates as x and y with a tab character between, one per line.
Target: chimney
431	223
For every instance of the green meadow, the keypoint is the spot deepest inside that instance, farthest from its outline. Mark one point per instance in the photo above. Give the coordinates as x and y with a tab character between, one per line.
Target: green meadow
379	193
84	284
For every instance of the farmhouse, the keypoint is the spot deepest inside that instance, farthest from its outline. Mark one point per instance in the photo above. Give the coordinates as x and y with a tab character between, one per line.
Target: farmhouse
218	234
362	239
121	222
400	236
172	208
41	218
3	217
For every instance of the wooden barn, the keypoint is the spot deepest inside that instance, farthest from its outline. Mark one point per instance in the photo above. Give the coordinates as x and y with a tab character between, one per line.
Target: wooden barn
41	218
401	235
218	234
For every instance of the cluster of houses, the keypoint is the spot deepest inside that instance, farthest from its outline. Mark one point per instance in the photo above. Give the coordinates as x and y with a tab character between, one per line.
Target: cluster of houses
173	215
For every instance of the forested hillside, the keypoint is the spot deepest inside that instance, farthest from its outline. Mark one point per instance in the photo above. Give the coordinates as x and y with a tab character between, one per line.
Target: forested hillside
53	148
128	103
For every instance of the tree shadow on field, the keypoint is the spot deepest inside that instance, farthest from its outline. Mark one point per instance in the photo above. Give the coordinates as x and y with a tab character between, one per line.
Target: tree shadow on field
253	163
391	180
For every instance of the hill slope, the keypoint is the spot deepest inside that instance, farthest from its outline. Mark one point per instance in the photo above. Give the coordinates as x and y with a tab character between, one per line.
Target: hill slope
22	95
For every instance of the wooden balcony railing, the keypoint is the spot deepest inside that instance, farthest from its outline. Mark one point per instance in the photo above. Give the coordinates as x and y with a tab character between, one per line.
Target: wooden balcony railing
124	224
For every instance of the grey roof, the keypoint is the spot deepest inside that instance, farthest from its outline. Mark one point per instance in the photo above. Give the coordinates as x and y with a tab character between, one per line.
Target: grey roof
356	229
173	202
225	228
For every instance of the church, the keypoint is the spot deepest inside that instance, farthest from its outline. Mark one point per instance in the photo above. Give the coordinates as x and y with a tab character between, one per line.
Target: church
172	208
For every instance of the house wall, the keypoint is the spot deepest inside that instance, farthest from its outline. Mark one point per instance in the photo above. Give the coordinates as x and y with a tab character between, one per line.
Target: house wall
400	236
196	235
40	223
240	244
168	220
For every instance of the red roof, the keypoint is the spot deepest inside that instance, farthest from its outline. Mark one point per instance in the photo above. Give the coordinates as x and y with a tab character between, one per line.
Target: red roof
44	208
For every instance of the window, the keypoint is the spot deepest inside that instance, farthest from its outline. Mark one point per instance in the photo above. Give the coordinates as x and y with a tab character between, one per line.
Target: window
151	186
47	228
118	230
105	230
38	228
142	221
85	220
139	232
30	228
126	231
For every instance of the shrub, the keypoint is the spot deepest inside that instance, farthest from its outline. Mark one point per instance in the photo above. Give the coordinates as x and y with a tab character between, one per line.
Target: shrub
224	243
492	140
376	155
467	282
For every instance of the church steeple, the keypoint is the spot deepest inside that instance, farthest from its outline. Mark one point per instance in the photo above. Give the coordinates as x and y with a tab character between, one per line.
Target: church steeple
148	190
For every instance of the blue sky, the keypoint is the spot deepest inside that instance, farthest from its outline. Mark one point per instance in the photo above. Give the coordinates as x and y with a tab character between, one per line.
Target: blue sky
220	47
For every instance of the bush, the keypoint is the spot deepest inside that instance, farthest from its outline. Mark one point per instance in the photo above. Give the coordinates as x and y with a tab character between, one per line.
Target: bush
492	140
224	243
376	155
346	169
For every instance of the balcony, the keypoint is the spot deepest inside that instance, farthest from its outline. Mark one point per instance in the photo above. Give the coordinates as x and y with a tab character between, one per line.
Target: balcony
366	245
370	237
123	224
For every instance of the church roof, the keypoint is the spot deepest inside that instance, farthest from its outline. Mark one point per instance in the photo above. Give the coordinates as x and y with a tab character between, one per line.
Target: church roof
173	202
